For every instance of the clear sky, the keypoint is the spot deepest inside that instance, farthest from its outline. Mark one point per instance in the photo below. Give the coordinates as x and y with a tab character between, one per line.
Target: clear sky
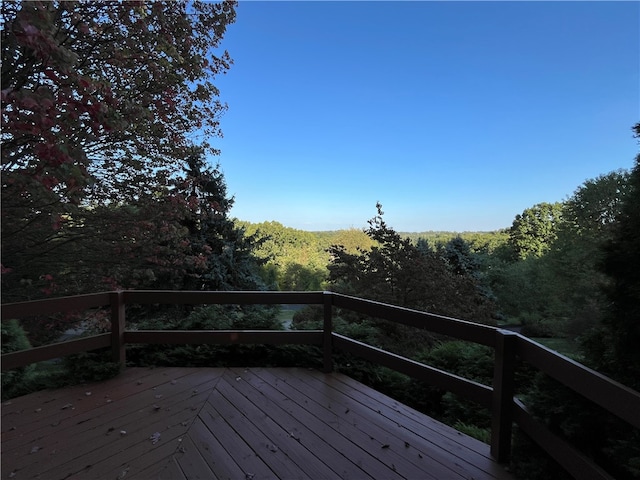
454	115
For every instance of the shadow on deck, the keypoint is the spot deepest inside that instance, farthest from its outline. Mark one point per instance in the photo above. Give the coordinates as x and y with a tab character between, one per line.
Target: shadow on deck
187	423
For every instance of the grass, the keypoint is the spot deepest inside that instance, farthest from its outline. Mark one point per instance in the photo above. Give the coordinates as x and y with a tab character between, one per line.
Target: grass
286	315
563	346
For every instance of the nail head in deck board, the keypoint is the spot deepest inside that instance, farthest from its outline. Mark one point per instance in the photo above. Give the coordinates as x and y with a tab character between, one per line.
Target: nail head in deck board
265	416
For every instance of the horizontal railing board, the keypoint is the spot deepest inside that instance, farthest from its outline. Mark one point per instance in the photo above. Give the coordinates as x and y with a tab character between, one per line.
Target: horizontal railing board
55	350
481	394
54	305
224	337
574	462
473	332
615	397
198	297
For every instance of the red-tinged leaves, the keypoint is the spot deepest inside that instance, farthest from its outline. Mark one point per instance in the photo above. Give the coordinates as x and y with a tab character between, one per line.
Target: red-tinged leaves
107	80
29	103
29	30
49	182
51	75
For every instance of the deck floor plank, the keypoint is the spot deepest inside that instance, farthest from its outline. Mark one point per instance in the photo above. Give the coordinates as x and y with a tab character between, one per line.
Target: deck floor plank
170	422
288	433
190	462
367	427
255	423
202	442
68	404
166	470
371	416
238	447
471	454
372	456
64	443
352	386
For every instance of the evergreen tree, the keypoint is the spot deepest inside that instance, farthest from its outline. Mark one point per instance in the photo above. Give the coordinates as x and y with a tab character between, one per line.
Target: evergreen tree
398	272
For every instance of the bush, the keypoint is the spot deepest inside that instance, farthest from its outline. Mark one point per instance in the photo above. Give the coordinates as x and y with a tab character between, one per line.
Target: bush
609	442
482	434
535	325
468	360
14	339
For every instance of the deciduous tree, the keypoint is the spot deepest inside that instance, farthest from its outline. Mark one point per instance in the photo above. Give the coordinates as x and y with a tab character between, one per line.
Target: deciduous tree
101	104
534	231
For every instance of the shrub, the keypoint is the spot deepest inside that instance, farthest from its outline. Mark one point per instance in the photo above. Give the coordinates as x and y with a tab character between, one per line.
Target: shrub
14	339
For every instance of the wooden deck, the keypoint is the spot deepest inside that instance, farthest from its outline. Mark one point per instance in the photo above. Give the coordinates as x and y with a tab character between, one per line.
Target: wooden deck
207	423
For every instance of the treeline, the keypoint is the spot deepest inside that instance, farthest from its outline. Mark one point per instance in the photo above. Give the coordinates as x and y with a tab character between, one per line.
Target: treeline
297	260
543	272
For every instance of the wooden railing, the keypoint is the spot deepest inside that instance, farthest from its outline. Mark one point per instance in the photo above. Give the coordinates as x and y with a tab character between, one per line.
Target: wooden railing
499	398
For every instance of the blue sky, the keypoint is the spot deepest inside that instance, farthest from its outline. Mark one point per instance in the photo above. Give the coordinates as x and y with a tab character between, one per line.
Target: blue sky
454	115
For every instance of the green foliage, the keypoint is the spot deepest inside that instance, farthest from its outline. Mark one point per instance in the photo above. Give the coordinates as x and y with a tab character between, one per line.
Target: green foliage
536	325
555	288
608	441
398	272
14	339
530	462
487	243
213	317
361	329
595	252
297	277
353	240
292	259
534	231
468	360
301	356
99	104
92	366
458	255
613	347
482	434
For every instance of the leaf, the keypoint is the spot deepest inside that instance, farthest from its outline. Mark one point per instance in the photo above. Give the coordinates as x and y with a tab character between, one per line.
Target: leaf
155	438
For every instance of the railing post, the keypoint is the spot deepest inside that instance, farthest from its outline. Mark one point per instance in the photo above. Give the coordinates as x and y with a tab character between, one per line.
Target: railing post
117	328
327	330
503	391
